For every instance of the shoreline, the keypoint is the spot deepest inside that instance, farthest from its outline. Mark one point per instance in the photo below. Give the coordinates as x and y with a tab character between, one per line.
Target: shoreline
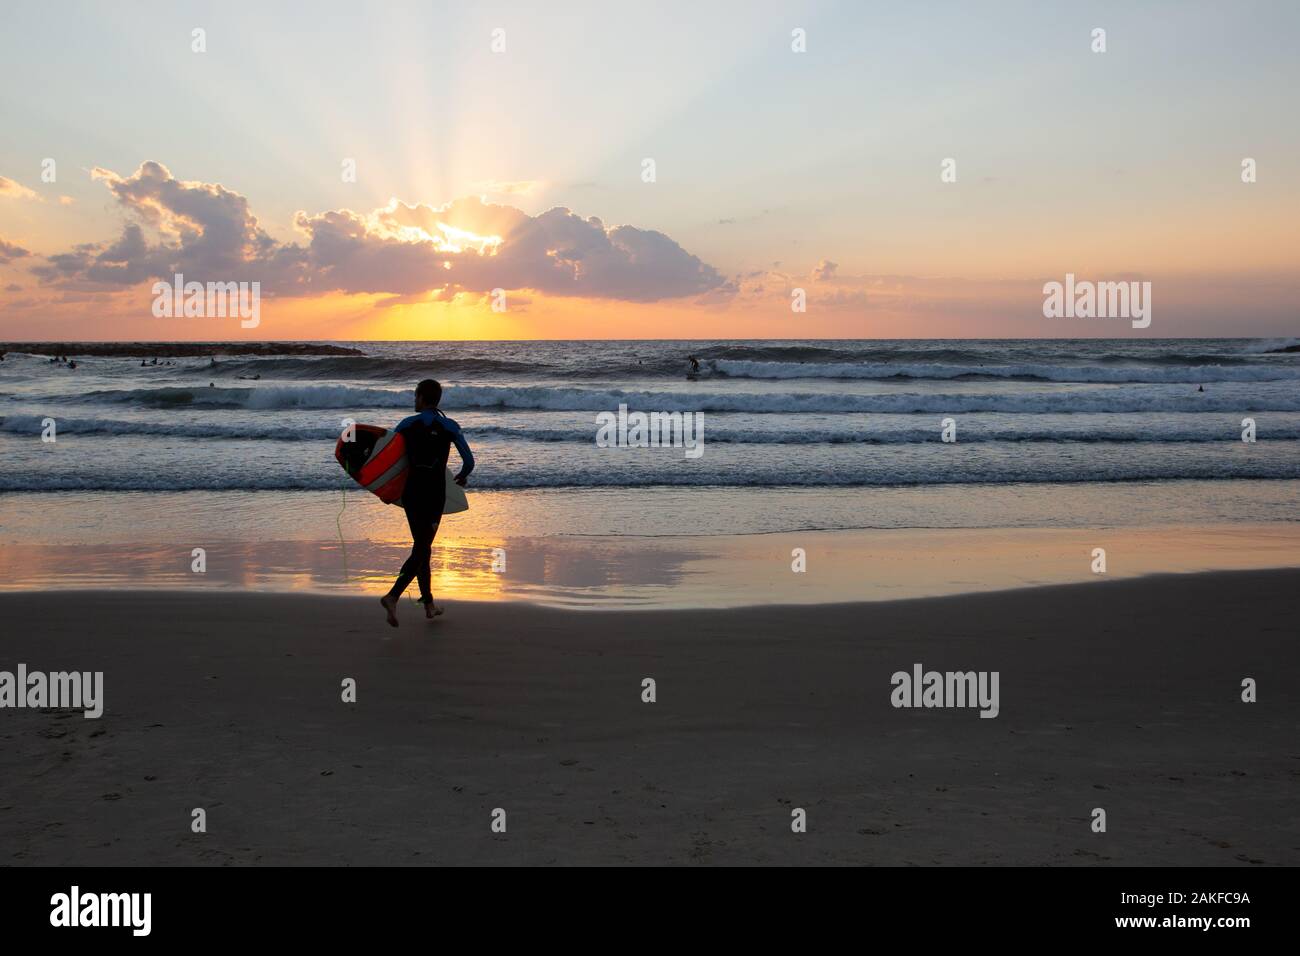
408	599
487	562
1124	696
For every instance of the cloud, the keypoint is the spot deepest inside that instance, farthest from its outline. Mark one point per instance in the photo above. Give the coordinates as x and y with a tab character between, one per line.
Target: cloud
209	233
472	246
824	270
9	251
10	189
911	297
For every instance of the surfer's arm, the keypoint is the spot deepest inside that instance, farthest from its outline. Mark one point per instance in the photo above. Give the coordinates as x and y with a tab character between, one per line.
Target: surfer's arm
466	456
462	447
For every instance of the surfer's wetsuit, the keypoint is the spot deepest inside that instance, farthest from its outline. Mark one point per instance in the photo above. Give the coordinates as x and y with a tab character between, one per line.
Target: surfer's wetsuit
429	436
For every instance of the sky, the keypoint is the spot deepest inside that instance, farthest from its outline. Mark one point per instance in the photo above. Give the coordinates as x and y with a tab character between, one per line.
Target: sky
479	171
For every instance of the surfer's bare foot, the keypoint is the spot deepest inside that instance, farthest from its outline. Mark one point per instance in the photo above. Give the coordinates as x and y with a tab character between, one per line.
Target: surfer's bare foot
390	605
432	610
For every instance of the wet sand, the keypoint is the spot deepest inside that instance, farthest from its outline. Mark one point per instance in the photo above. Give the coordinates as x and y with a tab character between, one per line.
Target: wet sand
256	546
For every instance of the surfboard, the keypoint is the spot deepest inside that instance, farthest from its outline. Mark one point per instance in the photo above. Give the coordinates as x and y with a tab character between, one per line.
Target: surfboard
456	501
376	460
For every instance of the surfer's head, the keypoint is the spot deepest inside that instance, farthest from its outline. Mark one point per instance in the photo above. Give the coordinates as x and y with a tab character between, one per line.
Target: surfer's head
427	395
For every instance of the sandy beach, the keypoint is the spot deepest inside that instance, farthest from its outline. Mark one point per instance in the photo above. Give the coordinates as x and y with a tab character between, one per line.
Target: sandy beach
1120	695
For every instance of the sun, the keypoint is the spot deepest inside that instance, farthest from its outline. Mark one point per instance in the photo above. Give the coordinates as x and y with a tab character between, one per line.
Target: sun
451	239
458	240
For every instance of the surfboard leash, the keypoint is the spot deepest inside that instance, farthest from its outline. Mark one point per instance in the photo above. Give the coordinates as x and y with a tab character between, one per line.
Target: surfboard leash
343	546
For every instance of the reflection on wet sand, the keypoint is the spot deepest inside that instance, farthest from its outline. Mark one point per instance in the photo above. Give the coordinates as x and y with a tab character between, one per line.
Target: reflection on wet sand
557	570
714	571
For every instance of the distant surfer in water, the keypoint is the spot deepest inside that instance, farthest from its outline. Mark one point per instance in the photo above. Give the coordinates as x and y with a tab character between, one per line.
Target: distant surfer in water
429	435
695	363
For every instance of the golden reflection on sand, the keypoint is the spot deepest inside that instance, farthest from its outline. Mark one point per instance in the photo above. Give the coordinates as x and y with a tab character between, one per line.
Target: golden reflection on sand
717	571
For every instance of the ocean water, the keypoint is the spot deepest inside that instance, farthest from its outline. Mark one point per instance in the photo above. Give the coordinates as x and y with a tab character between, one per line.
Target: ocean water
830	447
777	415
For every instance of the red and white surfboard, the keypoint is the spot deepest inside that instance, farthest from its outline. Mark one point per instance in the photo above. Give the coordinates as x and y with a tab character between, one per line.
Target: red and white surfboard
376	460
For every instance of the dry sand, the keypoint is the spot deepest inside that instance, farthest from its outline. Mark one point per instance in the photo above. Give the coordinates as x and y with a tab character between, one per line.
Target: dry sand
1123	695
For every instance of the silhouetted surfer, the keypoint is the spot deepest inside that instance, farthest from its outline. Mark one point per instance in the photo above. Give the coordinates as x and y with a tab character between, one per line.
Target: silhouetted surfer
429	435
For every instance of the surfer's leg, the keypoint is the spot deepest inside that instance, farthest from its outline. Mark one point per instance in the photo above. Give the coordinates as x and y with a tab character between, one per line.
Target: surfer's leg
405	576
423	573
423	546
418	524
